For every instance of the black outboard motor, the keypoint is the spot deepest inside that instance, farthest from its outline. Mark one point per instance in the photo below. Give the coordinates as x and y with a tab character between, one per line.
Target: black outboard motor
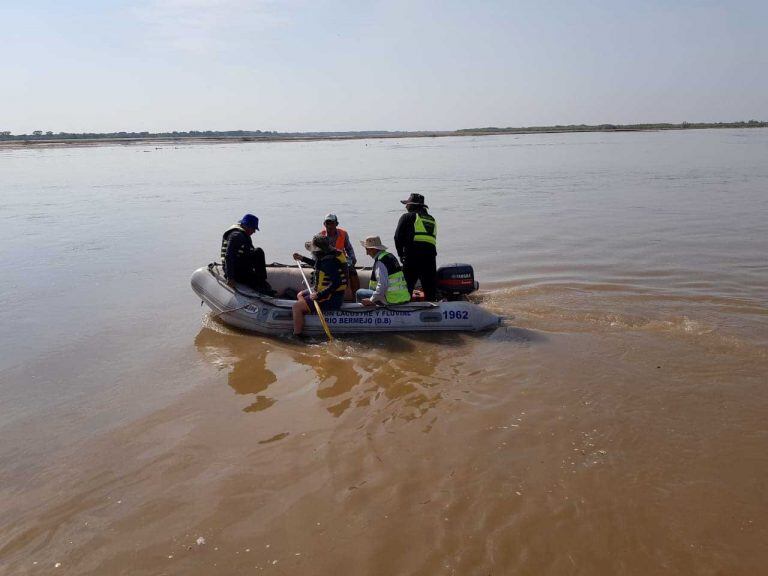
455	281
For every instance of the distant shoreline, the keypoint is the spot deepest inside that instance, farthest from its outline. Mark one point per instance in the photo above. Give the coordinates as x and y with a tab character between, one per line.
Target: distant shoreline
25	141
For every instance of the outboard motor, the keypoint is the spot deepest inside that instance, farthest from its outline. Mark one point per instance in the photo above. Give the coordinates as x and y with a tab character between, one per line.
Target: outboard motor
455	281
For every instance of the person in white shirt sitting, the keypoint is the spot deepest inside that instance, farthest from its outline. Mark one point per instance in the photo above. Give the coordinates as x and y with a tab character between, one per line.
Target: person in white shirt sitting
387	285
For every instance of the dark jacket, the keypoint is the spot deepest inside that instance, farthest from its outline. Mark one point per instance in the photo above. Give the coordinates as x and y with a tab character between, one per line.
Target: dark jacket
239	254
404	243
333	273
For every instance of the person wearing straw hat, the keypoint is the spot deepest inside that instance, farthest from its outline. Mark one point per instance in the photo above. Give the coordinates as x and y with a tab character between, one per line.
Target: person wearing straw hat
416	245
387	285
330	281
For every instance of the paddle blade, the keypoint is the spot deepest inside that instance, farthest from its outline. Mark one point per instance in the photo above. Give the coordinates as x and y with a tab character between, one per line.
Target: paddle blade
323	322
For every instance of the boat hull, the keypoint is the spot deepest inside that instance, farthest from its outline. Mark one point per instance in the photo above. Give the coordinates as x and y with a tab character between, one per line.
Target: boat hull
242	308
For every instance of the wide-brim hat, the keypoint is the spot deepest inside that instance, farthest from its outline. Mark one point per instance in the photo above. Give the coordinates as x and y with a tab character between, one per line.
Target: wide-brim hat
319	243
414	199
373	242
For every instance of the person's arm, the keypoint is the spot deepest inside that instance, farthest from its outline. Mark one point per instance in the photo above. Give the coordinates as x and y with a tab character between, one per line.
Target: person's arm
404	234
307	261
330	268
350	252
382	276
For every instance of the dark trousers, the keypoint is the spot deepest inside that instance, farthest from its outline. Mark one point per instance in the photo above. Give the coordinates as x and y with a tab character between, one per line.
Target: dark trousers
253	273
421	267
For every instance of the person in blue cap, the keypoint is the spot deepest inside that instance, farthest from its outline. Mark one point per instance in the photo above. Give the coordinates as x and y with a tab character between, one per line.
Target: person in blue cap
242	262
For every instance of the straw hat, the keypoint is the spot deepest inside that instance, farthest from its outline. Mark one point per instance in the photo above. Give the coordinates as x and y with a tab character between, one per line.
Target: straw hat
373	242
319	243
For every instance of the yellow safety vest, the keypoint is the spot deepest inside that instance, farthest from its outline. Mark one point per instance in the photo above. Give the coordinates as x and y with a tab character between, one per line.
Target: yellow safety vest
397	288
425	229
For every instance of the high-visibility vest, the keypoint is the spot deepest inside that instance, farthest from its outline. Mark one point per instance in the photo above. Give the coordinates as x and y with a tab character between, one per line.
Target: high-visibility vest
225	245
397	289
425	229
341	240
324	280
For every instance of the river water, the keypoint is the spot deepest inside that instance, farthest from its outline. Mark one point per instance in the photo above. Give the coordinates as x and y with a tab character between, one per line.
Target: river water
618	423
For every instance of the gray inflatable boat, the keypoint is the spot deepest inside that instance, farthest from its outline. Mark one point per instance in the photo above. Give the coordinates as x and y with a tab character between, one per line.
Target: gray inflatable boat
243	308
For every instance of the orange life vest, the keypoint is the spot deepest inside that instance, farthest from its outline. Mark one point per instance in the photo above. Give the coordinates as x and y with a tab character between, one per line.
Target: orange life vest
341	239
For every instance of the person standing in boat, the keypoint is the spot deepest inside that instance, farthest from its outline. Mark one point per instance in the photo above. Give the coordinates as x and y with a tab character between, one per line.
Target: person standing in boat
241	261
330	281
387	285
339	239
416	245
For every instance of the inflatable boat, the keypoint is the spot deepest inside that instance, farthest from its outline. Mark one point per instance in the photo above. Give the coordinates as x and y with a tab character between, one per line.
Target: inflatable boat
243	308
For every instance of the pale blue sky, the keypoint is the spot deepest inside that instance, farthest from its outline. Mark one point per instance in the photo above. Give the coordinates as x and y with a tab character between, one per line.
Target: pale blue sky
297	65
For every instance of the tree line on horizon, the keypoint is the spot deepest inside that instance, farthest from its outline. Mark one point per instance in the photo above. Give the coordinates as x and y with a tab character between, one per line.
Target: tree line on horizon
48	135
620	127
248	135
242	134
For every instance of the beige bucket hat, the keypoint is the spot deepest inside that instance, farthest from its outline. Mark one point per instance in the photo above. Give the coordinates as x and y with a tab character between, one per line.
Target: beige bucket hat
319	243
373	242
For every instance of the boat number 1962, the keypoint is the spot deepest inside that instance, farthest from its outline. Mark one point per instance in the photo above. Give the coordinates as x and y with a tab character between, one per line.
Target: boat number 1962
455	314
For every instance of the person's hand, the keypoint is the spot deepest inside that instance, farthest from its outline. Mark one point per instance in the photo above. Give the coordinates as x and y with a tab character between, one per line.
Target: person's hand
296	256
313	296
230	283
367	302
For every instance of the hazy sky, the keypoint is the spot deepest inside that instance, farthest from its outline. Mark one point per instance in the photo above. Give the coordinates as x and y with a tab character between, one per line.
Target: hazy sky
296	65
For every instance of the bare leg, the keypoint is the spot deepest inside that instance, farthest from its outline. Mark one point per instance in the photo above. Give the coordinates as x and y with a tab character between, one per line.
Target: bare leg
299	309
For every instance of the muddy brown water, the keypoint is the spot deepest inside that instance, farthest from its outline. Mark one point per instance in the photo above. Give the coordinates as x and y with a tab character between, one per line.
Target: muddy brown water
617	424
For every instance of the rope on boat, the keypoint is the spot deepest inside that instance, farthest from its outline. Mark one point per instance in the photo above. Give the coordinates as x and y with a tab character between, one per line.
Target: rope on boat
251	300
232	310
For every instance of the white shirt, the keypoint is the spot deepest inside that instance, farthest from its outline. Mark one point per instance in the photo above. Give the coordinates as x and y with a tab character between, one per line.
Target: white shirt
382	277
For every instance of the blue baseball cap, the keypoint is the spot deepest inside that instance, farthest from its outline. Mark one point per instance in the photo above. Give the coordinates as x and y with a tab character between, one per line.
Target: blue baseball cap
249	221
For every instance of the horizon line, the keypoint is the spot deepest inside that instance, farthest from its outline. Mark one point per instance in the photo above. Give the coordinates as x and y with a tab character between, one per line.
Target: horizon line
36	134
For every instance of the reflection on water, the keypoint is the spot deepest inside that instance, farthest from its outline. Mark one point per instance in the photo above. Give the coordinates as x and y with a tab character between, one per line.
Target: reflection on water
397	372
247	373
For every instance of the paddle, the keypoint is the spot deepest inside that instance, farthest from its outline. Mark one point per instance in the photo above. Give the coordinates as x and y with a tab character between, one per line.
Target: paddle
317	306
